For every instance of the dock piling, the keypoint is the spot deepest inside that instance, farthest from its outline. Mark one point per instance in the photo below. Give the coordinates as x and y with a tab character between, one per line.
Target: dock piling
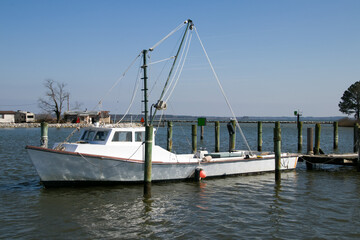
194	137
217	136
277	150
44	135
169	136
232	136
300	138
259	125
336	135
317	138
310	134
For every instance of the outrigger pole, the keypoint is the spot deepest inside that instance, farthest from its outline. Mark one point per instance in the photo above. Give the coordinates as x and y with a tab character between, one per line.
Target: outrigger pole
189	26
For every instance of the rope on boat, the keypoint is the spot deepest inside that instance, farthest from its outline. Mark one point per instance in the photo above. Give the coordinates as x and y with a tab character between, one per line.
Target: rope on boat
167	36
136	87
223	92
122	76
182	62
59	146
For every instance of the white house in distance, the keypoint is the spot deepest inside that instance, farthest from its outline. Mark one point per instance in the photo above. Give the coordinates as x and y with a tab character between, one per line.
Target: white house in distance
7	117
24	117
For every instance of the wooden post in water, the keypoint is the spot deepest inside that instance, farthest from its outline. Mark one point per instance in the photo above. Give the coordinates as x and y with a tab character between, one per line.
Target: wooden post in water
310	134
194	137
217	136
300	138
259	125
336	135
317	138
277	150
44	135
201	132
356	131
148	152
232	136
169	136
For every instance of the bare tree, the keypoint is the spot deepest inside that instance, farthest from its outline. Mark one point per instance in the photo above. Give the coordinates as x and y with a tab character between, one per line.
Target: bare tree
54	99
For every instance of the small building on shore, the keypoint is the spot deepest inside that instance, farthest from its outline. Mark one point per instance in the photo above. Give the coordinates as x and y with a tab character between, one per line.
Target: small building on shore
24	117
87	117
7	117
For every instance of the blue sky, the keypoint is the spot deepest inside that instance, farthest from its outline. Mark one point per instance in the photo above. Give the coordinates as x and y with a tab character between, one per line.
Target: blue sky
272	57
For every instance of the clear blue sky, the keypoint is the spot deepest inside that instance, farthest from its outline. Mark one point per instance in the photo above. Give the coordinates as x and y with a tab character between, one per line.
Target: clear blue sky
272	57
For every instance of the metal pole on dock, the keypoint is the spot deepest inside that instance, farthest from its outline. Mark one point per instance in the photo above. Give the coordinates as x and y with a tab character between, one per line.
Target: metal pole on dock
259	142
300	138
44	135
310	134
169	136
277	150
317	138
194	137
336	135
356	131
217	136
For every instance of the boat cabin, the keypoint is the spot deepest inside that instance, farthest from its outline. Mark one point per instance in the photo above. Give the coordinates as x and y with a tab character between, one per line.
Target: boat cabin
98	135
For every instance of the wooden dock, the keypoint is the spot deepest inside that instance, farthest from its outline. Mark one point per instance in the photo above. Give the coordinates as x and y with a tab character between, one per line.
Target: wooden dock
348	159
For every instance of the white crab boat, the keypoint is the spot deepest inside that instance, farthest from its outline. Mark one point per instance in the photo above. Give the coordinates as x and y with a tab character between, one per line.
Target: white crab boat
117	155
113	155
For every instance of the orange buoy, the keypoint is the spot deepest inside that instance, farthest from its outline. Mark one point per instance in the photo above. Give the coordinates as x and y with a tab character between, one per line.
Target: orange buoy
202	174
142	120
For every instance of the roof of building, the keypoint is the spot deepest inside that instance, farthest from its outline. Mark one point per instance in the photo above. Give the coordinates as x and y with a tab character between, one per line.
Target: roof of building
7	112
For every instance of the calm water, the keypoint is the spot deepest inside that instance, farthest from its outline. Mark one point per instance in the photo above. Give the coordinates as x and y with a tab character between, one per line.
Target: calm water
319	204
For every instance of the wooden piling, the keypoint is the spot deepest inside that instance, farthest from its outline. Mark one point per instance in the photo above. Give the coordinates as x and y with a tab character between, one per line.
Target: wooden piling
169	136
310	141
300	138
336	135
317	138
232	137
201	132
259	142
148	153
217	136
44	135
194	137
310	134
356	132
277	150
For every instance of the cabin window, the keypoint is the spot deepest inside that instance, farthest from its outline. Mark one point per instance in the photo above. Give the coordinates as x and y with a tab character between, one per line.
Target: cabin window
31	116
101	136
139	136
123	136
1	115
88	135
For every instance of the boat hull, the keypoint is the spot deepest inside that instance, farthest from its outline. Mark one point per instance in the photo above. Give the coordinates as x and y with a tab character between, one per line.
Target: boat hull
62	168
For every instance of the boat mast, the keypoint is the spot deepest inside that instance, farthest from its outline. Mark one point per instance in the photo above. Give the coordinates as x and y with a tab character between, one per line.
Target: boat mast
145	88
189	26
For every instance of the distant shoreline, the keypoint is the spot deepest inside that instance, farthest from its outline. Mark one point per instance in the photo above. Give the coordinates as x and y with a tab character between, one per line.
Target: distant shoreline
82	125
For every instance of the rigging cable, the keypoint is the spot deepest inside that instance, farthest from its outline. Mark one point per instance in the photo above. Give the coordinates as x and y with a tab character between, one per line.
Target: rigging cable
167	36
223	92
136	87
187	47
122	76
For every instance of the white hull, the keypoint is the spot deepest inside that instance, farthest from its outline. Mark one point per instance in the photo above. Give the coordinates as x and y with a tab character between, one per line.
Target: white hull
61	167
